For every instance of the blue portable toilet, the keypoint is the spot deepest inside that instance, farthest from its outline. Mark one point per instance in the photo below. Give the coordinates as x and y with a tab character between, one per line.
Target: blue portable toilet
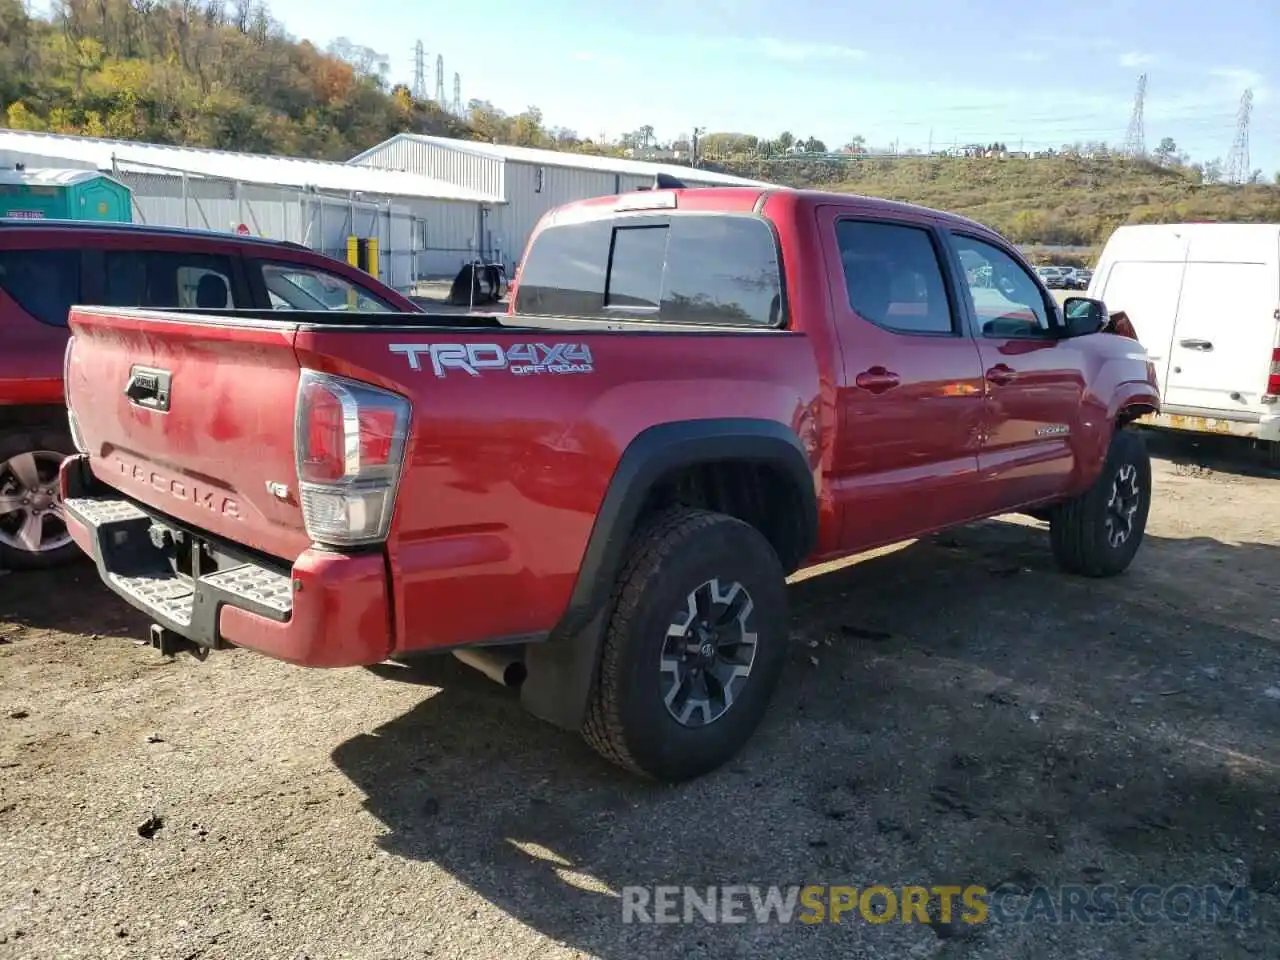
55	194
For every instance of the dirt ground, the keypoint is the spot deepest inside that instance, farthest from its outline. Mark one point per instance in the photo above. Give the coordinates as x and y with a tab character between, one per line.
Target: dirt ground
955	711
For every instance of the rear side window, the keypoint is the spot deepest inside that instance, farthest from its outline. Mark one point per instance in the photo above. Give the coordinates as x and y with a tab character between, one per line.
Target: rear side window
44	283
696	269
893	277
162	279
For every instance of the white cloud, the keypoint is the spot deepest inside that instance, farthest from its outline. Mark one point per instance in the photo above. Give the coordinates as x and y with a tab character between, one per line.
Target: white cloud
1135	58
791	50
1237	77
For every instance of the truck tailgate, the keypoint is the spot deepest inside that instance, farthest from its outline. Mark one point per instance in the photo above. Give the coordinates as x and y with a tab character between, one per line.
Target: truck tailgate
193	416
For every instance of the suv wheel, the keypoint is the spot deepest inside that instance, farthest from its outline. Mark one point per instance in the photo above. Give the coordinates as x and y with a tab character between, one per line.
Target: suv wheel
33	532
693	649
1098	533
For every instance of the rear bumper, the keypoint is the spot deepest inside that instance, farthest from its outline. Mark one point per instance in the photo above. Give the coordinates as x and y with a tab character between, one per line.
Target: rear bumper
1248	425
327	610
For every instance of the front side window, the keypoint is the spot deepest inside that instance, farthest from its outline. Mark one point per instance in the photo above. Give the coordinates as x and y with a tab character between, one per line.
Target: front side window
695	269
1006	300
294	286
44	283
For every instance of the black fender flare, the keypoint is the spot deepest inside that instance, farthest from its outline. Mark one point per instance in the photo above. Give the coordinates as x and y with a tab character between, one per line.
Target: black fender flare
562	669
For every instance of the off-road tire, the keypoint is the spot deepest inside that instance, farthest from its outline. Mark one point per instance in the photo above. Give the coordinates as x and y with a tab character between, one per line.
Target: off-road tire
23	440
627	719
1078	528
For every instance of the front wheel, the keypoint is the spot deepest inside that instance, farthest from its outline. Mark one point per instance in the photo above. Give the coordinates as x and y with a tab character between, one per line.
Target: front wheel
1098	533
694	647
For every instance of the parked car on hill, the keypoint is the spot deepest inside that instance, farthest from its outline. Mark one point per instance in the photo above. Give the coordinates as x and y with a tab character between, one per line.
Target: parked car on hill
46	266
598	496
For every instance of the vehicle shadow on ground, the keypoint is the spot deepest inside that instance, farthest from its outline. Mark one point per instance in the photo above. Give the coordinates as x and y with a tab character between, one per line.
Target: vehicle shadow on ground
953	712
72	599
1198	454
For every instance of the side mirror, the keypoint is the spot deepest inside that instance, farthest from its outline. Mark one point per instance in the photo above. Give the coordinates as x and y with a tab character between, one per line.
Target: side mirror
1083	316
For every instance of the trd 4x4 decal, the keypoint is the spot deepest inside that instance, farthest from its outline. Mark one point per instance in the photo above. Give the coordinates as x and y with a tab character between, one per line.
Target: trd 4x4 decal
521	359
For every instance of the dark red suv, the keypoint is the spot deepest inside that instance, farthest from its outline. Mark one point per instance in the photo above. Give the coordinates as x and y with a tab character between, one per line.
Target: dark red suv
47	266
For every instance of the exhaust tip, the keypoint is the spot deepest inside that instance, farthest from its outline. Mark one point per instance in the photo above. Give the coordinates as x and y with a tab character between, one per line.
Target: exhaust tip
503	668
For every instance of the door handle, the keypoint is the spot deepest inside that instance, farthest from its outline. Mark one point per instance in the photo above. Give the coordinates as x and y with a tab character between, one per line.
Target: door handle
1001	374
876	380
1202	345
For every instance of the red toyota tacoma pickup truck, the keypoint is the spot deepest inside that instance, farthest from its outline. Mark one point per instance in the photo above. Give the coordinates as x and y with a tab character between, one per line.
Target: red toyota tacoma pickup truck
598	497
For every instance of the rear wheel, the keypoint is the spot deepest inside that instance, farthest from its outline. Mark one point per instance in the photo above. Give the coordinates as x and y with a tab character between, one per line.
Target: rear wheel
33	531
1098	533
694	647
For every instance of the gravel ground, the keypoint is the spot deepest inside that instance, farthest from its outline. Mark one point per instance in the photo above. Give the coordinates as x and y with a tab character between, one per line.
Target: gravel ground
955	711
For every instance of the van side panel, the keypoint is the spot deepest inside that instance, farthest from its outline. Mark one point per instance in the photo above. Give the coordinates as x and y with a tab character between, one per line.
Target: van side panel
1226	326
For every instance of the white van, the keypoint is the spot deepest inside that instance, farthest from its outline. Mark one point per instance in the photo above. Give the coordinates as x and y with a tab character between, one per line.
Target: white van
1204	299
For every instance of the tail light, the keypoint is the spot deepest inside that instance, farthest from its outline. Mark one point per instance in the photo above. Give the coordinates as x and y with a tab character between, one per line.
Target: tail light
349	440
72	424
1273	381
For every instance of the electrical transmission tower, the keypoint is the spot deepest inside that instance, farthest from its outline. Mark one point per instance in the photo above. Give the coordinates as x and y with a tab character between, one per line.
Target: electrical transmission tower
440	79
1238	160
419	72
1135	142
457	95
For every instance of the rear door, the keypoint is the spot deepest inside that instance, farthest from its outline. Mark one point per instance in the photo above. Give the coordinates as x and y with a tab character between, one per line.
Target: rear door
910	394
1220	354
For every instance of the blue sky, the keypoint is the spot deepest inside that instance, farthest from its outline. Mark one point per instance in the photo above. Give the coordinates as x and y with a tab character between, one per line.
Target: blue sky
991	70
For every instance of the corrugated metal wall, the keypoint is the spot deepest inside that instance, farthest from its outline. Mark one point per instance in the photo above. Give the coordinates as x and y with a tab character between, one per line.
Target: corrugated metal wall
452	166
272	212
448	236
417	239
529	189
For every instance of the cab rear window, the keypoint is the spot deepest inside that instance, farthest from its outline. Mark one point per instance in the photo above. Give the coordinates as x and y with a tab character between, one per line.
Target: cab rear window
711	269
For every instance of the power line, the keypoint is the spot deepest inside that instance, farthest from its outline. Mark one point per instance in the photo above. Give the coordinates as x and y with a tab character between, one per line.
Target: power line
440	80
1238	167
457	95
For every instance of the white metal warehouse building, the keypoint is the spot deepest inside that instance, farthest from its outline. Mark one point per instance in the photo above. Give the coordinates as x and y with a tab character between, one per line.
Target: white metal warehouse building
426	227
530	181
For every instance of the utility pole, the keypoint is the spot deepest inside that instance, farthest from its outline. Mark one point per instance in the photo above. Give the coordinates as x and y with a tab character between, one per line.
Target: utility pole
693	145
931	141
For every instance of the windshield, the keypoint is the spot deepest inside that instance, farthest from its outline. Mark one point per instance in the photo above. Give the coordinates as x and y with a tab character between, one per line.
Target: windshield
296	287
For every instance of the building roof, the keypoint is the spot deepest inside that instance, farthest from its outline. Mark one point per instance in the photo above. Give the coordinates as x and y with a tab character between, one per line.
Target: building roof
576	161
47	177
246	167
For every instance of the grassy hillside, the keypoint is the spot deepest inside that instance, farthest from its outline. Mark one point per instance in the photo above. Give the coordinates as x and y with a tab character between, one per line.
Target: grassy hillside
1065	201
